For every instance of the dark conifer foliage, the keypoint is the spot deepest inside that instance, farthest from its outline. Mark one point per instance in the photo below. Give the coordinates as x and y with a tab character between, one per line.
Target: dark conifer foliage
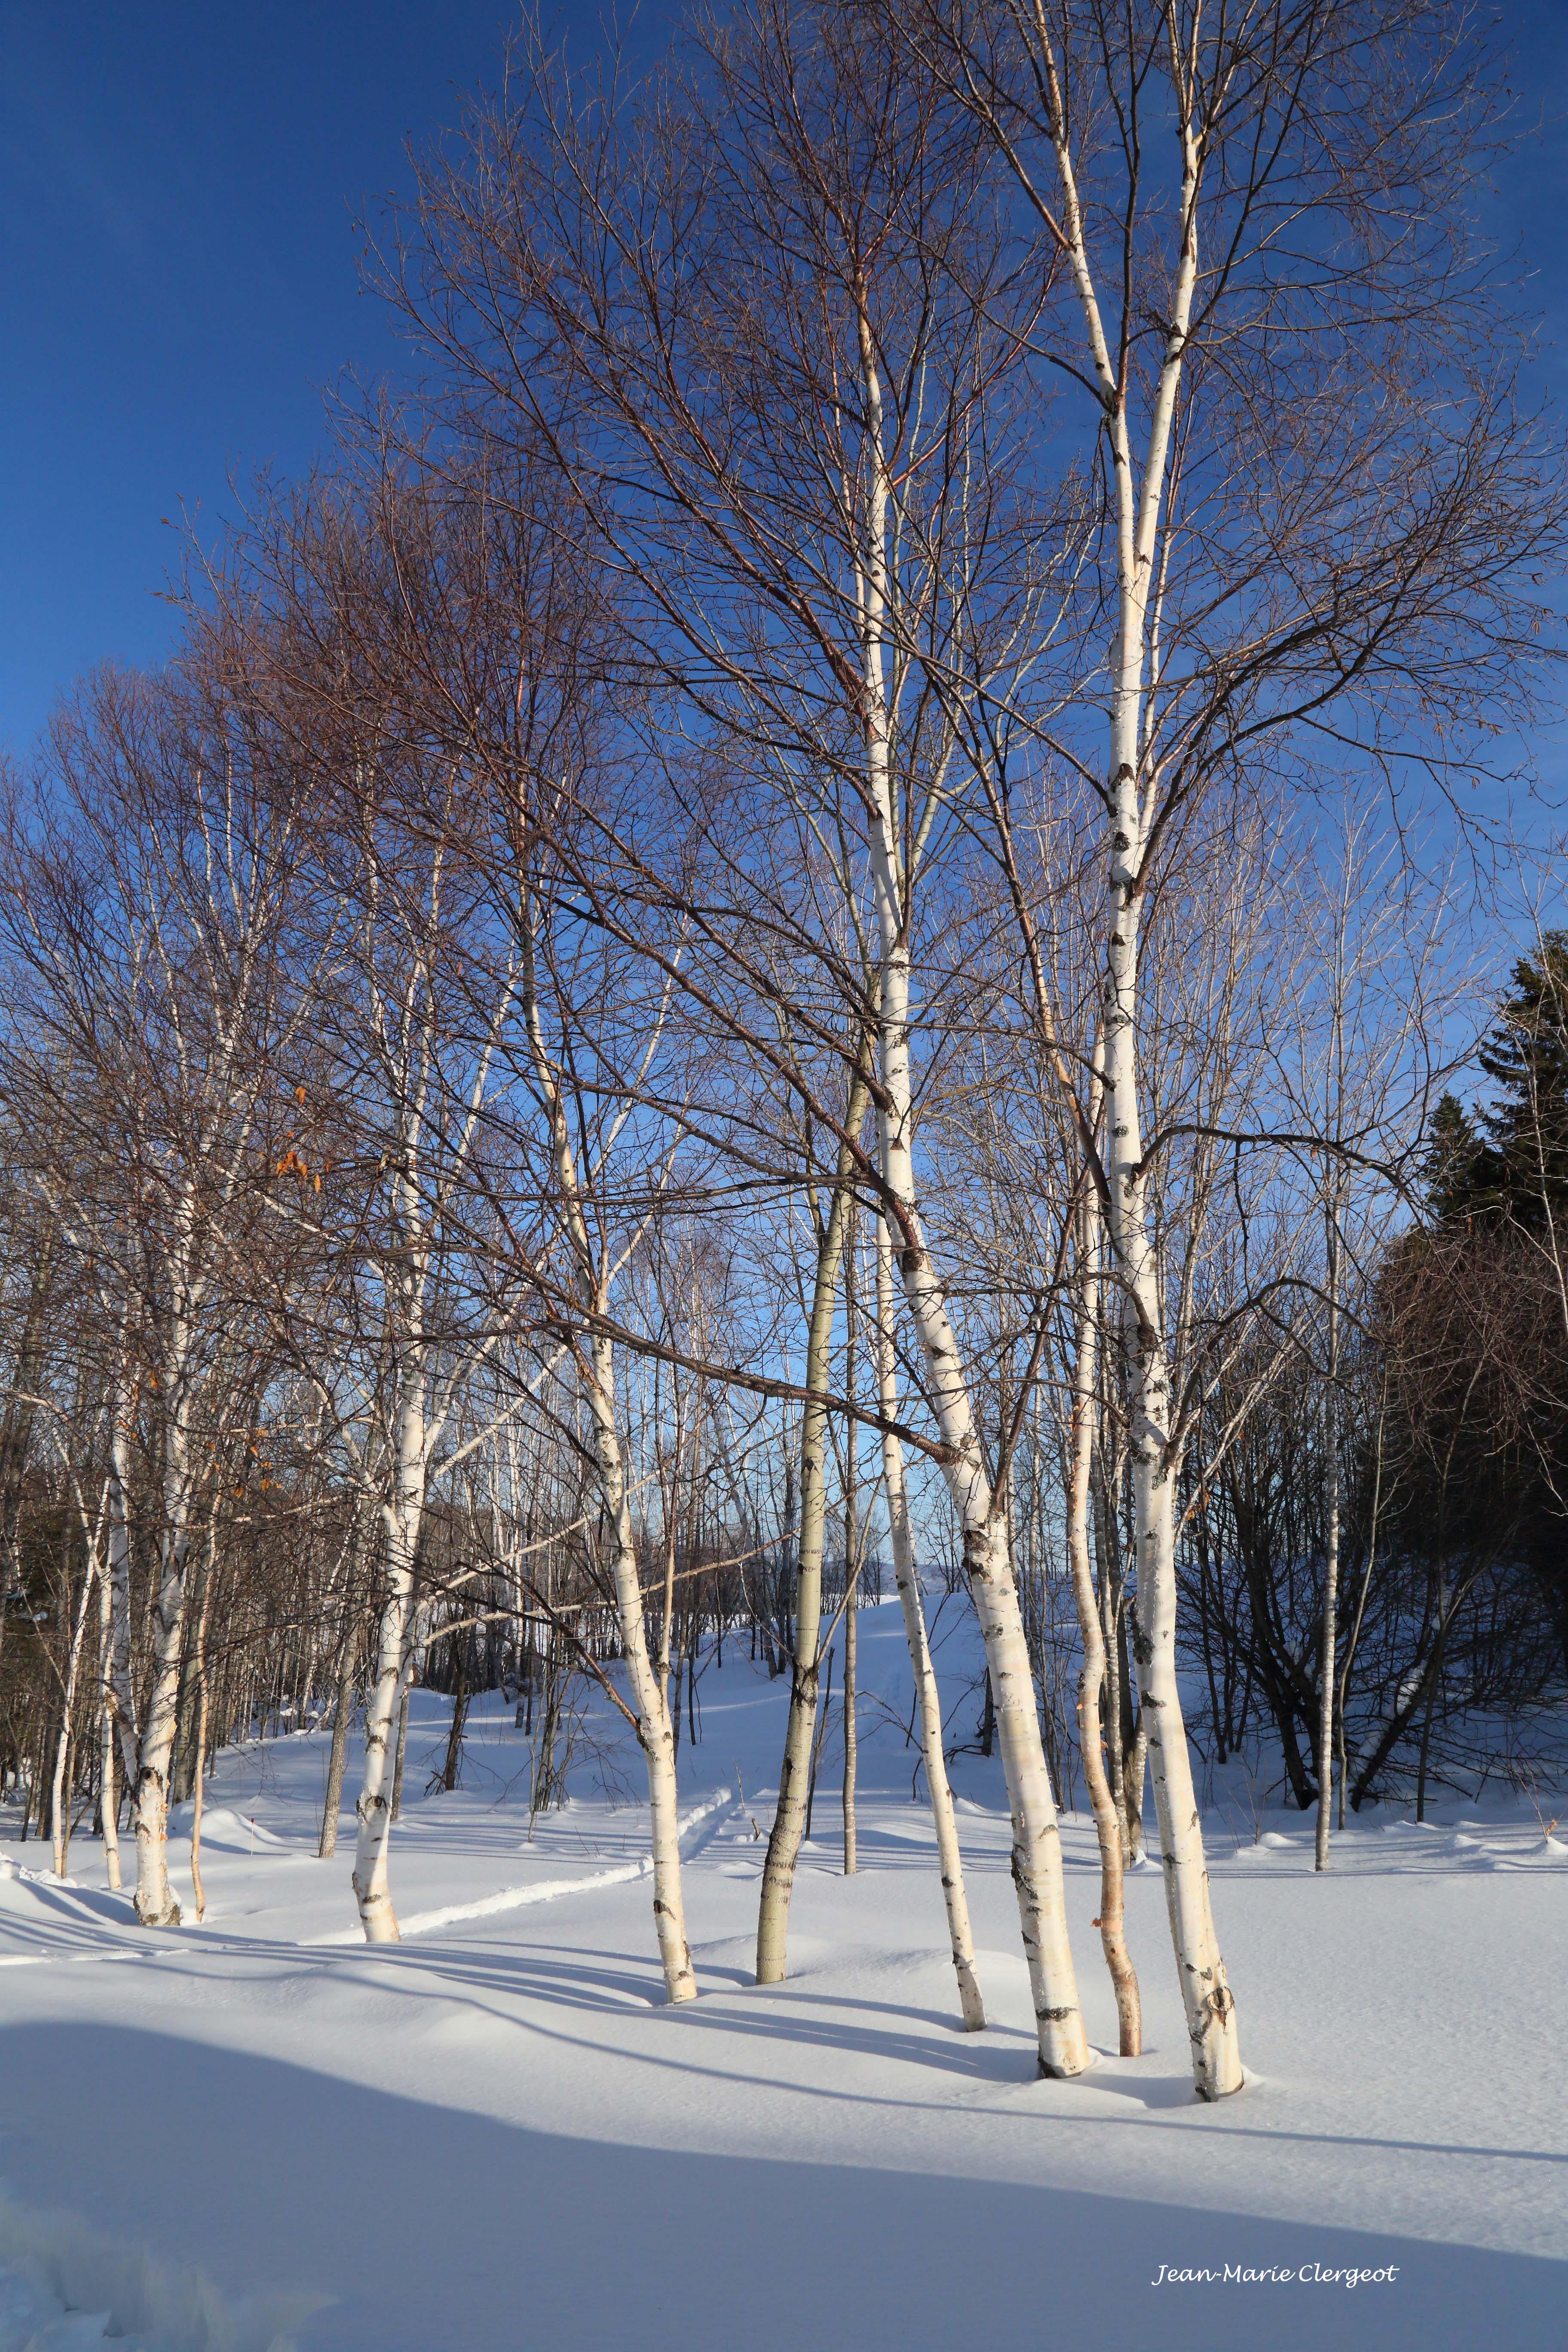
1510	1161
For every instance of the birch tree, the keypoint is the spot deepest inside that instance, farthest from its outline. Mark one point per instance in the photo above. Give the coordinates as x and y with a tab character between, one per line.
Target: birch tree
782	571
154	937
1219	213
906	1575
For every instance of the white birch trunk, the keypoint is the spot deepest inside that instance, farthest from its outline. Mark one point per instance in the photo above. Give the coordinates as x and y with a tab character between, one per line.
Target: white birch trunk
109	1800
1132	1794
59	1799
401	1517
1206	1991
796	1771
1036	1839
1326	1665
155	1903
1109	1827
1211	2011
950	1860
121	1685
1139	508
851	1567
658	1734
851	1741
201	1674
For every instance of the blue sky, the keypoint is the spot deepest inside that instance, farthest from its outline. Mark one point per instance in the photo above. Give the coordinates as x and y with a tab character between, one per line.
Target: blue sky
179	185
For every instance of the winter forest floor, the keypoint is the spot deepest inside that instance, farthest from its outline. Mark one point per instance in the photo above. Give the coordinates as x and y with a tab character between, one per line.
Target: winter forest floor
496	2134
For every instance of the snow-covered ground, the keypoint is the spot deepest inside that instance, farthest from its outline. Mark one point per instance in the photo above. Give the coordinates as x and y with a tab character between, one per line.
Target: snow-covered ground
496	2135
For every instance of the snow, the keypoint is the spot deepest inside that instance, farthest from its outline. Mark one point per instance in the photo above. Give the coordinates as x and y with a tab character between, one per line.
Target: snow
260	2132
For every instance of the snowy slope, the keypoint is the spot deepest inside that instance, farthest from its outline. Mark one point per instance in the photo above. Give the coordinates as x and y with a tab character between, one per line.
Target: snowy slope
495	2135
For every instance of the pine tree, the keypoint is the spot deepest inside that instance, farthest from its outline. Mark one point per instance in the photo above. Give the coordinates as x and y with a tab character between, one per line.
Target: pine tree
1512	1163
1448	1171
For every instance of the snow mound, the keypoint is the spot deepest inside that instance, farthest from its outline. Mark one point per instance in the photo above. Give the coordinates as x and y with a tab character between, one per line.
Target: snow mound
64	2288
36	1899
32	1877
224	1828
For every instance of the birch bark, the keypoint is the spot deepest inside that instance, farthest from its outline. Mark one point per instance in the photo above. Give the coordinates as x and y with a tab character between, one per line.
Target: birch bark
121	1686
851	1567
431	1346
795	1769
657	1734
1138	506
1326	1664
201	1674
950	1860
155	1903
1091	1681
1036	1839
59	1796
109	1798
402	1514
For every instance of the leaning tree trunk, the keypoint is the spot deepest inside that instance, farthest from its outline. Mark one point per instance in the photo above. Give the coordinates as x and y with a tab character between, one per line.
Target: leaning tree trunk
1092	1674
658	1735
198	1782
1139	495
950	1860
1036	1838
60	1794
1206	1991
656	1732
795	1771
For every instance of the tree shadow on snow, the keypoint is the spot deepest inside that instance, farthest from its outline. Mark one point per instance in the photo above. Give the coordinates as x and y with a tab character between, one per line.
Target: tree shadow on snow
434	2229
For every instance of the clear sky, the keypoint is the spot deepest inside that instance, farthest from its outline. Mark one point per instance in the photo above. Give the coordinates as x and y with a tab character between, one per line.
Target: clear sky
179	180
178	187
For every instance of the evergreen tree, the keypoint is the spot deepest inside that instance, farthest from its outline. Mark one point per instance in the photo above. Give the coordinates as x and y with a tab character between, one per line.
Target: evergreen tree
1448	1170
1513	1163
